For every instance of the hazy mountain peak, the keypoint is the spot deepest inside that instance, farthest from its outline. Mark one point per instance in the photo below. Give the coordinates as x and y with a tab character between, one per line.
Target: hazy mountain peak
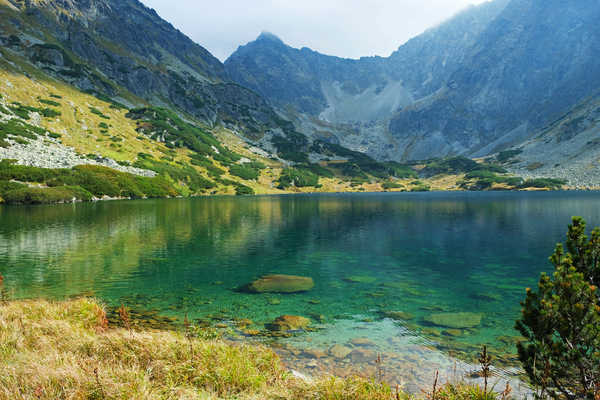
266	35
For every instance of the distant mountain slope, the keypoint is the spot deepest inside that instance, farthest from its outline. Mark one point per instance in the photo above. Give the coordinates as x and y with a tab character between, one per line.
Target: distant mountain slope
568	148
485	80
535	61
371	88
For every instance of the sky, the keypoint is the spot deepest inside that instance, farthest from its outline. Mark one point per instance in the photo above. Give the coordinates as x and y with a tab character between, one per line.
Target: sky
343	28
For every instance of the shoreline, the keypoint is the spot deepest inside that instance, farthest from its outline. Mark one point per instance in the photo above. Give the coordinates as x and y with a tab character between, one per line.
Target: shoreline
291	193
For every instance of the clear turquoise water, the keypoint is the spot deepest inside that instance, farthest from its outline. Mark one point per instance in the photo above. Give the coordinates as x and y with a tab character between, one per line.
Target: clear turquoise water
423	253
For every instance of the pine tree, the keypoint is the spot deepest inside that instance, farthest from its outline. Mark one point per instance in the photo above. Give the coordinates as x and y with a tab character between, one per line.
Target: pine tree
561	322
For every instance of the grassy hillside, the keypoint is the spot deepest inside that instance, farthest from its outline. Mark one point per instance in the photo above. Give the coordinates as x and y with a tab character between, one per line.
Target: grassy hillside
52	350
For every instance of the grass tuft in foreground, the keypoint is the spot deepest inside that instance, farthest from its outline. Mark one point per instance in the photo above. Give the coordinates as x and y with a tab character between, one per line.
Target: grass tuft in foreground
66	350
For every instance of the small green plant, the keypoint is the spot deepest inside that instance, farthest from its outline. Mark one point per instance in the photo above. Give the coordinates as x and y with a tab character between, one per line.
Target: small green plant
49	102
125	318
99	113
485	361
244	171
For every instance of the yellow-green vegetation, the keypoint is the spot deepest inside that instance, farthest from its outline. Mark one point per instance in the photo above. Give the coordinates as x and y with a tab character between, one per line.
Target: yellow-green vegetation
67	350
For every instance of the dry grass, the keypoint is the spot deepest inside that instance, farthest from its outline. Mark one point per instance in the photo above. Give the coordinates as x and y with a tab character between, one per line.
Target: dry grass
64	350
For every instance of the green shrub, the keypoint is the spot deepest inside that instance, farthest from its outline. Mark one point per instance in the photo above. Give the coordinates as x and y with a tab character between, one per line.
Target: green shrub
183	174
49	102
458	165
99	113
421	188
162	123
244	171
97	180
561	321
46	195
241	190
202	161
550	183
507	155
103	125
297	177
6	186
23	111
392	185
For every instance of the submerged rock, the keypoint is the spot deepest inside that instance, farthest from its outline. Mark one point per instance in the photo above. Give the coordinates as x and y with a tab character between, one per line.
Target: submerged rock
460	320
362	341
398	315
360	279
339	351
288	323
453	332
490	297
313	353
359	355
280	284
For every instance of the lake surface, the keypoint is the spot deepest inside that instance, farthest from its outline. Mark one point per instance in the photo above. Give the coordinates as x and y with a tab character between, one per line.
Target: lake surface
419	254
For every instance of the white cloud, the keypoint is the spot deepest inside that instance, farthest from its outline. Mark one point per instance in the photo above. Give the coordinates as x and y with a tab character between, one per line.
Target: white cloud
345	28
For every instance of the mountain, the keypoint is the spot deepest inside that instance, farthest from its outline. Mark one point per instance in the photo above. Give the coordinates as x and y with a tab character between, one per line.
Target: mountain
103	98
102	46
485	80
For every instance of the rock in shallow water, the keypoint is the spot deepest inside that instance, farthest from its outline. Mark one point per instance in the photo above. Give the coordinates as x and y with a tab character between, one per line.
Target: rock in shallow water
360	279
280	284
398	315
288	323
460	320
339	351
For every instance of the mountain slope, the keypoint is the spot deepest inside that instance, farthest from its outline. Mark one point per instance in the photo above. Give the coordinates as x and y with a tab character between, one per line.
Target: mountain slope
101	46
483	81
532	63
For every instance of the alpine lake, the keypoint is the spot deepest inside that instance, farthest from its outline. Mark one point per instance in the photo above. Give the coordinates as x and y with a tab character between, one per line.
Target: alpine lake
405	284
